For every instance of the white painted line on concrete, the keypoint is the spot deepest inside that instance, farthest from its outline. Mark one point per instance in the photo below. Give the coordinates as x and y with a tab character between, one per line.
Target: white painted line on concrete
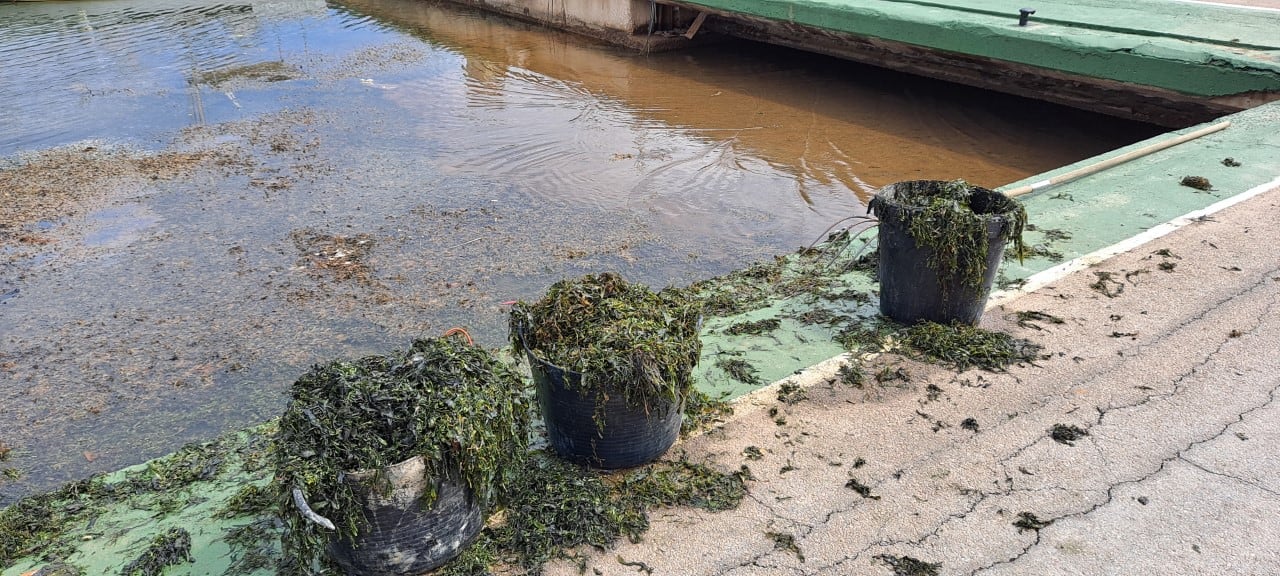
1230	5
827	370
1046	277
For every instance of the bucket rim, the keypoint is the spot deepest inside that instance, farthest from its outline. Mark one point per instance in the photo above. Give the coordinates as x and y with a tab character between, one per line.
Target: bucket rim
888	197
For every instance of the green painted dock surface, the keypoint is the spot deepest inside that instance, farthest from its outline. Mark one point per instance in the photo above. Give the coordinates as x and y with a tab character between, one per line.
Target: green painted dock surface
1070	220
1226	58
1209	50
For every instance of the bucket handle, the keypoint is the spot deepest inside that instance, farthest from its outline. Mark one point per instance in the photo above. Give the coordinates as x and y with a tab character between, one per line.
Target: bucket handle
300	502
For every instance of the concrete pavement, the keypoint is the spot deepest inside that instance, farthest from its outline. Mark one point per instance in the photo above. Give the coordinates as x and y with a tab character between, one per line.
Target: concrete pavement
1174	379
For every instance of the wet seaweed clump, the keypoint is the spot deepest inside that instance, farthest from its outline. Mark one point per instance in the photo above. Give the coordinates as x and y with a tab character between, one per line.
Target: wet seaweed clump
754	328
270	71
952	221
554	506
253	545
1029	521
1037	251
852	375
442	399
862	489
614	333
1032	318
908	566
791	393
962	346
890	374
873	335
251	500
701	411
787	542
1198	182
171	548
740	370
1067	433
1106	284
868	263
39	526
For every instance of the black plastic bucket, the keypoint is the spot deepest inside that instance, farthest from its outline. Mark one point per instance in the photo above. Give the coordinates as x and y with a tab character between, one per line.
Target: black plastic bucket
403	536
911	290
600	428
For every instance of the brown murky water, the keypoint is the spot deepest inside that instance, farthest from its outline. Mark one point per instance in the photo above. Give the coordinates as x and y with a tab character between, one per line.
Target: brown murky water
202	199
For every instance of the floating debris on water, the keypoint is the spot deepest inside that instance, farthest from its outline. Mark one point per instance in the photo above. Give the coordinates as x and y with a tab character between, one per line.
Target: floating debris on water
270	71
1231	162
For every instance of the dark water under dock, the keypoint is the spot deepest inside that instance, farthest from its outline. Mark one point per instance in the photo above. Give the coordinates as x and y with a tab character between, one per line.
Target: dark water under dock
230	192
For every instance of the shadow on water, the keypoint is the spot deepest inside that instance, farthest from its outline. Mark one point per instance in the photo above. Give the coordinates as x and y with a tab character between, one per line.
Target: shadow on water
208	199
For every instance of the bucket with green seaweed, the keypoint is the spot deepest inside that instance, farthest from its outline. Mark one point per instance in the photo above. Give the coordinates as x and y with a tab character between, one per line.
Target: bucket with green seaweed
940	246
384	465
612	363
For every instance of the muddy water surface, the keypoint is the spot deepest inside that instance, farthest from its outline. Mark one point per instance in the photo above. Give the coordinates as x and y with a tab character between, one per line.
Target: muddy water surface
203	199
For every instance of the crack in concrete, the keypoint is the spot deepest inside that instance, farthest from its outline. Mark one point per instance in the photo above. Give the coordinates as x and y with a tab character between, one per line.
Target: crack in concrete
1244	481
1110	493
1263	281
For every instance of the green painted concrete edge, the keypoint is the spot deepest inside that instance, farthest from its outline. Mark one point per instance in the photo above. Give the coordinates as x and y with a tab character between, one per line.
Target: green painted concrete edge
1123	201
1097	211
1224	25
1150	59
